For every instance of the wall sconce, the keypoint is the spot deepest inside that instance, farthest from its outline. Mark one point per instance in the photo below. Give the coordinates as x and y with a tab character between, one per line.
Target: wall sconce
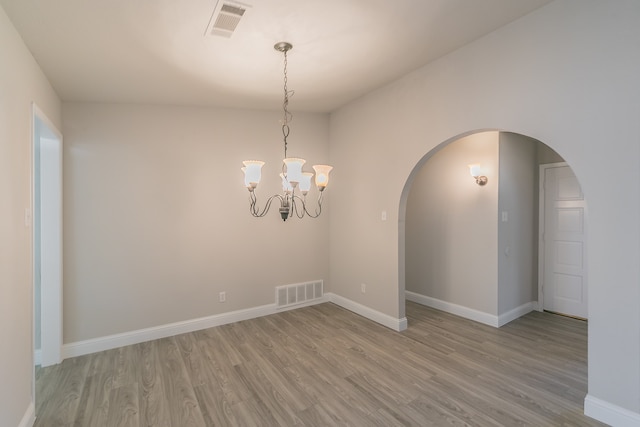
474	170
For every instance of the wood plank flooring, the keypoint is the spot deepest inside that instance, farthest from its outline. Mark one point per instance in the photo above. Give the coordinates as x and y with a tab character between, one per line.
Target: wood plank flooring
325	366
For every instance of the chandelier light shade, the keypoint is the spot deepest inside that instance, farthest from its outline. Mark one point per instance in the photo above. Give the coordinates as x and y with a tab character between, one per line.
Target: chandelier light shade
296	183
252	172
294	169
322	175
305	183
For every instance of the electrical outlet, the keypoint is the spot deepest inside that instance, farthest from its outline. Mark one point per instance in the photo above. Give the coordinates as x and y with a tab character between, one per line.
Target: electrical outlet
363	288
222	297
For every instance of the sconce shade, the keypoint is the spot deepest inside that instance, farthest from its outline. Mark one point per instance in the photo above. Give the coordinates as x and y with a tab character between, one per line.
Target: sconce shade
322	175
252	172
294	168
474	170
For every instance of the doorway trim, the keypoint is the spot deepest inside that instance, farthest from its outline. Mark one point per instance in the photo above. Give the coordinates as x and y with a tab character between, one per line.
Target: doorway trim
541	227
49	240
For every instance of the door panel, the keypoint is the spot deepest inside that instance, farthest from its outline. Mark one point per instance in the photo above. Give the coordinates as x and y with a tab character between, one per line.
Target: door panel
564	277
569	254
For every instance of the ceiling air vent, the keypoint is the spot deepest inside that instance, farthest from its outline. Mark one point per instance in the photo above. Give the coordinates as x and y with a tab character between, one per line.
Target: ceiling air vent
225	18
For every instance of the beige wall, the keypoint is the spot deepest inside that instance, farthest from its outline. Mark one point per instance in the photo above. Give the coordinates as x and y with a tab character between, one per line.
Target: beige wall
565	75
156	217
451	227
21	83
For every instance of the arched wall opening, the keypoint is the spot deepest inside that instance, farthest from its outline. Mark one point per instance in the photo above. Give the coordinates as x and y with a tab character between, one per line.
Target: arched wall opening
474	250
581	106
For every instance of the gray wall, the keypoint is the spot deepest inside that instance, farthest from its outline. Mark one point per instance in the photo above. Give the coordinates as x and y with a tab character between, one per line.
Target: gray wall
517	231
564	75
459	250
451	244
545	155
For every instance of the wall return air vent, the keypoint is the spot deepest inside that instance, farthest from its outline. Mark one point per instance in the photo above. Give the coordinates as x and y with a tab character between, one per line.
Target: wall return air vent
225	18
299	293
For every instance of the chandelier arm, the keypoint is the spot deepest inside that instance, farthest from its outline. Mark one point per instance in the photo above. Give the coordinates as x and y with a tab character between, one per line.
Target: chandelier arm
318	210
252	207
255	211
303	211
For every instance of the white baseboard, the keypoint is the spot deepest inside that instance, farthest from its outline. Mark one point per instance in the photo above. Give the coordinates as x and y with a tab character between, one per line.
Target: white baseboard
470	313
510	315
610	414
371	314
94	345
458	310
29	417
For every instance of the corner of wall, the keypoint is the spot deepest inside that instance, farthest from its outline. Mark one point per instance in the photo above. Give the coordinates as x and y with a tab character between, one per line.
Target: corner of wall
29	417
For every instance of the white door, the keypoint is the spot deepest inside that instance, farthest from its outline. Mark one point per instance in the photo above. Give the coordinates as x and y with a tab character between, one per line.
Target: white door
563	227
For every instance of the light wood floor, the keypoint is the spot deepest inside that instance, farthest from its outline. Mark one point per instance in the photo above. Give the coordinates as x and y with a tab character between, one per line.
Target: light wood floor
325	366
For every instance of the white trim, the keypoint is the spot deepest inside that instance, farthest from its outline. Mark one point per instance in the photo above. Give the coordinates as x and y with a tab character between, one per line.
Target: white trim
609	413
470	313
371	314
37	357
541	226
517	312
45	119
94	345
29	417
458	310
51	236
141	335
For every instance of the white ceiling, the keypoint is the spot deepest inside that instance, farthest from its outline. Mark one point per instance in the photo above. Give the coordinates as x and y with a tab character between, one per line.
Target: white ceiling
156	51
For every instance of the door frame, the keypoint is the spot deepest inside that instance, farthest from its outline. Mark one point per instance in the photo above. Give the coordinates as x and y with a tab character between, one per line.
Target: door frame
50	243
541	227
541	230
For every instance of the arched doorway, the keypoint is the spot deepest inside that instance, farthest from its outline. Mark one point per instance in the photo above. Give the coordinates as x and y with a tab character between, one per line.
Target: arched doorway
473	250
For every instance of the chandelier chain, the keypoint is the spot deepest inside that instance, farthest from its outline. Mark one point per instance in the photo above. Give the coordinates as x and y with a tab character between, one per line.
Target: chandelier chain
287	116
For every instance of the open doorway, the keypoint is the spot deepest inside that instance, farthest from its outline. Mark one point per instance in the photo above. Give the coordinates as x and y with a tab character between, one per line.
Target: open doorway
472	250
47	240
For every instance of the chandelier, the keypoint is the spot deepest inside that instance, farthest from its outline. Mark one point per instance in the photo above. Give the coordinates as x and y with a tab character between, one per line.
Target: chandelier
295	183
